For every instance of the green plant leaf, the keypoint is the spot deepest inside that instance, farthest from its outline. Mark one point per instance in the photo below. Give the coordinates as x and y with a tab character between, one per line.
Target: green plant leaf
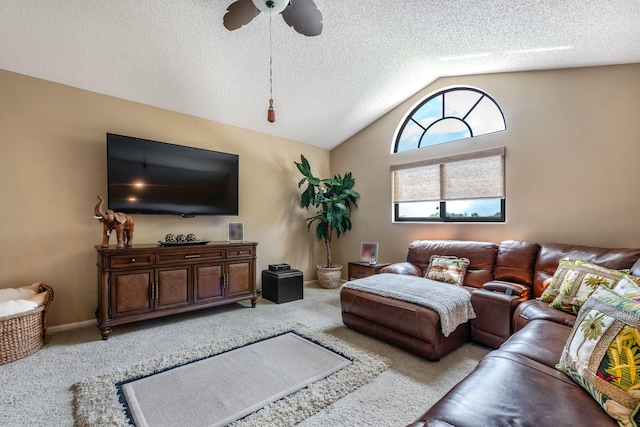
304	169
308	196
305	162
332	182
321	230
347	223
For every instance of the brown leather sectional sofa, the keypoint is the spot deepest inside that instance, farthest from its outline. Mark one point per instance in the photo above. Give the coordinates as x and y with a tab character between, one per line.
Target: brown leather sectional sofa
517	384
417	328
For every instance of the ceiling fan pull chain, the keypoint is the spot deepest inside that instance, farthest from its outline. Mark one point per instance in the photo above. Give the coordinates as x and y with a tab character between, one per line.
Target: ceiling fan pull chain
271	113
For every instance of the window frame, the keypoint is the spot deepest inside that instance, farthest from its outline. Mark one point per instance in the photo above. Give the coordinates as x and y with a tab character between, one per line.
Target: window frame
409	117
443	187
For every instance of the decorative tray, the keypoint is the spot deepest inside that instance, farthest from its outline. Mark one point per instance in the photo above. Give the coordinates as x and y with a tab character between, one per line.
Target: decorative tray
191	242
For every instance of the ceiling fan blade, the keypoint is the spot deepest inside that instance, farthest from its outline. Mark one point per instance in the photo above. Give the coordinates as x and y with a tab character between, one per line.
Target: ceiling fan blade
239	13
304	17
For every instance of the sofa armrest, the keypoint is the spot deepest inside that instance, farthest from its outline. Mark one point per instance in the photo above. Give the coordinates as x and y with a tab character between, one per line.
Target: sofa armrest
494	307
508	288
405	268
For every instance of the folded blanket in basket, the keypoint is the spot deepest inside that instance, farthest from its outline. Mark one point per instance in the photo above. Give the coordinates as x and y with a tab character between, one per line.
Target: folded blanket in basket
9	294
8	308
452	303
24	298
12	294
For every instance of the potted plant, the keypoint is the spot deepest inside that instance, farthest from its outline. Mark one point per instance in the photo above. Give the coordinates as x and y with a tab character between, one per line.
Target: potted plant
333	199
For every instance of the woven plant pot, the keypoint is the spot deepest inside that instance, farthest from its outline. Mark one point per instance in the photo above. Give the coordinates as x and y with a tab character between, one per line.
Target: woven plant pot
329	277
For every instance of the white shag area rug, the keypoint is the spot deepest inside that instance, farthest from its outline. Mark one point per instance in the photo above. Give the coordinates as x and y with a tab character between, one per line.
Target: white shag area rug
99	400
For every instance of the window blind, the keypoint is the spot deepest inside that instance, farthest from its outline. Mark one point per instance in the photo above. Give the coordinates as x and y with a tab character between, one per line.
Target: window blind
473	175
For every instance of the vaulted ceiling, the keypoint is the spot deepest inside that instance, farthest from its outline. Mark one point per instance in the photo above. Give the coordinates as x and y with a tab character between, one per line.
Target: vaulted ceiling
370	57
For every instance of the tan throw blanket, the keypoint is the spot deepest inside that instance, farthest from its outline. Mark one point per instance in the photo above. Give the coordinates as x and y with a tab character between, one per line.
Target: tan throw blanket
452	303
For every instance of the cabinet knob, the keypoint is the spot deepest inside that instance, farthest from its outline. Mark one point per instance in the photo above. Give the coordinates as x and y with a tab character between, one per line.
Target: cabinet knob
132	260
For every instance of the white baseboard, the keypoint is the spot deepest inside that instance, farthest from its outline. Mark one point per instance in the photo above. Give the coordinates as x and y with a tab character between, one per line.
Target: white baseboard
69	326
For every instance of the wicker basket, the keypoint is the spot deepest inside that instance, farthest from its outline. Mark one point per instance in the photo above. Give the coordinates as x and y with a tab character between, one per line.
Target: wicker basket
25	333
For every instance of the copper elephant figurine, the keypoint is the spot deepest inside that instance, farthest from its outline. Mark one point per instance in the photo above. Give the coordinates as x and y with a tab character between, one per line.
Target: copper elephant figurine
118	221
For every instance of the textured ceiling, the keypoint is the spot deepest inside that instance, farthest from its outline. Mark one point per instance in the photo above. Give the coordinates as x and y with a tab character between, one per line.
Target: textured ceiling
370	57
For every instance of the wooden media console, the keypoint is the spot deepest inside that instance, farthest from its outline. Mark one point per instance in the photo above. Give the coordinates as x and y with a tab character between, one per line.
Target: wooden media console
149	281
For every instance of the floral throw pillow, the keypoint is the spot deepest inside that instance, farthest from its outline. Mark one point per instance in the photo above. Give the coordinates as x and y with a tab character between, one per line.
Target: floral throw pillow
551	291
574	281
448	269
628	287
602	353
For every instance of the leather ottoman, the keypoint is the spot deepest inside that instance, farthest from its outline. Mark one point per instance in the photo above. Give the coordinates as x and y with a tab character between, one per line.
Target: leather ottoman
410	326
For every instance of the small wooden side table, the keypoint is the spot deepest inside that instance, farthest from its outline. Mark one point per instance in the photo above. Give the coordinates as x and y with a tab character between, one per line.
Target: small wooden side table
358	270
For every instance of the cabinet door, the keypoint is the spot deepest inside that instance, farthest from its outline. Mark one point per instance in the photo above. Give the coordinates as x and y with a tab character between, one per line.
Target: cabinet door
131	292
239	281
208	281
172	289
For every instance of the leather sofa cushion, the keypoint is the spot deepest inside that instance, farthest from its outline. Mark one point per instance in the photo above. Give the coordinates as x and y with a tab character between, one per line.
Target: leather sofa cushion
402	268
509	389
533	309
550	255
540	340
481	255
515	261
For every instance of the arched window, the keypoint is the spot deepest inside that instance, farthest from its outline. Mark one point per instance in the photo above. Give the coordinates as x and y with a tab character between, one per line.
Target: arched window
464	187
451	114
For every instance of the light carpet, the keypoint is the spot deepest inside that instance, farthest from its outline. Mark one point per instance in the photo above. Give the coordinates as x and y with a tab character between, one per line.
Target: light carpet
37	390
299	372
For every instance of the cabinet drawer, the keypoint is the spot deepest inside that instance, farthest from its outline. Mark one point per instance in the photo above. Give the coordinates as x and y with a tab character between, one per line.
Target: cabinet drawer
193	256
360	271
239	252
140	260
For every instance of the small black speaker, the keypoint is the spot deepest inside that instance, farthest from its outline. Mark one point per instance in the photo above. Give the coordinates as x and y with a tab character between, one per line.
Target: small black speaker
279	267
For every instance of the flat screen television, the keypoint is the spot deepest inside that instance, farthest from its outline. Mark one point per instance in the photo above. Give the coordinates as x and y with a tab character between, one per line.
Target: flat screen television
152	177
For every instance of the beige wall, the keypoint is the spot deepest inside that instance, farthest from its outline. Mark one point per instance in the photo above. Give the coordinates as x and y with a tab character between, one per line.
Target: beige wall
573	144
53	164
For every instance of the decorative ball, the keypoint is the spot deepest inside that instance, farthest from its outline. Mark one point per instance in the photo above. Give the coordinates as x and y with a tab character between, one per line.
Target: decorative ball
191	237
170	238
180	238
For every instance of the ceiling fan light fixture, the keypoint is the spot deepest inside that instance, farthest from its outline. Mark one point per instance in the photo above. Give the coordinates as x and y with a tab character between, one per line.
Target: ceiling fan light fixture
271	6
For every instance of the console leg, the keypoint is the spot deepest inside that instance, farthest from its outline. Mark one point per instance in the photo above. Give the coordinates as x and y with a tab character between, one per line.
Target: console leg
105	332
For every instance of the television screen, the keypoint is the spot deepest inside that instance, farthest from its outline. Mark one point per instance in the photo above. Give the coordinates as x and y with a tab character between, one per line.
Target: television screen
151	177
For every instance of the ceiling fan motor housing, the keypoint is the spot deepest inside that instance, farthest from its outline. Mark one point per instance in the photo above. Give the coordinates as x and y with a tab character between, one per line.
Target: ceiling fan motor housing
271	6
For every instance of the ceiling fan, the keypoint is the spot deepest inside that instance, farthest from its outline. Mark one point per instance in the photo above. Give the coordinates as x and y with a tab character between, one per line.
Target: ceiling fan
302	15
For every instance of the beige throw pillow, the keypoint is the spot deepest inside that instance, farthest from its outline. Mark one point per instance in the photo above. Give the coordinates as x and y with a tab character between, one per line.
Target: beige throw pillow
448	269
